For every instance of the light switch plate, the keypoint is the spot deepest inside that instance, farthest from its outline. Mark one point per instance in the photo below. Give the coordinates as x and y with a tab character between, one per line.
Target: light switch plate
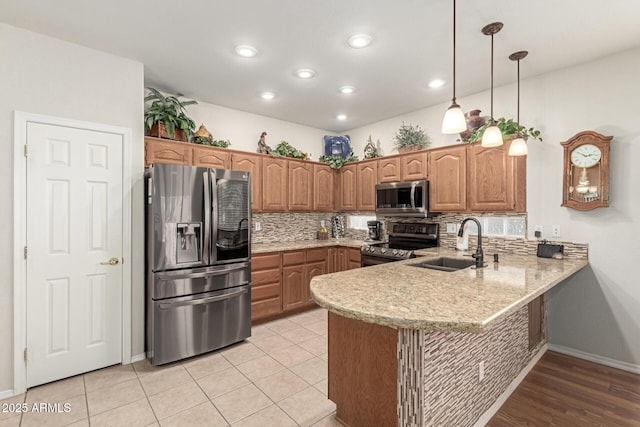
451	227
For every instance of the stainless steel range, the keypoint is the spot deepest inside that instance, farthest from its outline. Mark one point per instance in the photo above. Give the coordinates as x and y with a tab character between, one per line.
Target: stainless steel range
404	239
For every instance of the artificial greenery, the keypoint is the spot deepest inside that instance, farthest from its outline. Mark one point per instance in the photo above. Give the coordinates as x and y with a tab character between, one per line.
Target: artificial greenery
284	149
203	140
336	161
409	135
508	127
170	111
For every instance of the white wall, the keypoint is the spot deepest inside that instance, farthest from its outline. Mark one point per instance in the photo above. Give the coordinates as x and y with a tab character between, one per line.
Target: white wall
598	310
43	75
244	129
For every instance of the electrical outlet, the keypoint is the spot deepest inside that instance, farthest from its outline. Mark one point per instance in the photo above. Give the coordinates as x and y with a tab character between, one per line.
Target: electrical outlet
555	231
451	227
258	225
481	371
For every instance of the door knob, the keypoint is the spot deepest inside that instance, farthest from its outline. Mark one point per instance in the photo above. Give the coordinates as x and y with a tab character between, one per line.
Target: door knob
112	261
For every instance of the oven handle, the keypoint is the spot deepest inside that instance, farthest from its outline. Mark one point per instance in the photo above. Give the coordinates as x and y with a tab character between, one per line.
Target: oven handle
168	305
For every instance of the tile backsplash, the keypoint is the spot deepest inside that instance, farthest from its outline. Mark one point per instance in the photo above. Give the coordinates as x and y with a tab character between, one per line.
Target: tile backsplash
289	227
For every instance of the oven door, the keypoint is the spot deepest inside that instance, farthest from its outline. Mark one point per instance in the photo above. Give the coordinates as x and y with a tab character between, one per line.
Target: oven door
187	326
368	260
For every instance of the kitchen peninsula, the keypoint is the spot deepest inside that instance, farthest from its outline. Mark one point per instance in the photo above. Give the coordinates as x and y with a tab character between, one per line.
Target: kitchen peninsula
411	346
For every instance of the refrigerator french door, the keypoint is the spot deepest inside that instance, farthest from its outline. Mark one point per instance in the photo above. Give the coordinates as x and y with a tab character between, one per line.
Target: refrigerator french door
198	256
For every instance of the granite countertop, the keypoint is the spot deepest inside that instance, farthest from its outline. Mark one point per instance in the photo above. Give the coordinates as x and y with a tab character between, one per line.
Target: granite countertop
399	295
261	248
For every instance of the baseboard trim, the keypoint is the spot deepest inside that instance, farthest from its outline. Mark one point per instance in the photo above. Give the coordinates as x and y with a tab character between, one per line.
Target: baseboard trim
612	363
5	394
493	409
138	357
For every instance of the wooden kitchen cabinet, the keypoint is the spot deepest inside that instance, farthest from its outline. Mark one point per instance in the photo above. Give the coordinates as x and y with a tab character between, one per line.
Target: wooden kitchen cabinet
413	166
316	265
266	285
536	310
275	172
251	163
300	186
367	179
448	179
210	157
323	188
299	267
389	169
496	180
157	150
346	200
342	258
354	258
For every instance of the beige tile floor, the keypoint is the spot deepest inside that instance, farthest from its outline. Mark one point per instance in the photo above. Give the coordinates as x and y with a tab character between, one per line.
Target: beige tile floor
277	377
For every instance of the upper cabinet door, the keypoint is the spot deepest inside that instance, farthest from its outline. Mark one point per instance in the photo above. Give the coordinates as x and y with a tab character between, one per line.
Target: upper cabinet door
251	163
210	157
275	174
323	188
448	179
347	188
414	166
491	179
367	179
389	169
157	150
300	186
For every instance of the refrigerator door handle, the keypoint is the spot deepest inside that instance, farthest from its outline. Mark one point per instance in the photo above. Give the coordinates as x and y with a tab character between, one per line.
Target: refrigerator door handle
206	246
206	300
214	215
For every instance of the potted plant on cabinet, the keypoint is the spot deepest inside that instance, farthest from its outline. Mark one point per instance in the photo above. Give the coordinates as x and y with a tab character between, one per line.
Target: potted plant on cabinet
509	129
166	117
410	138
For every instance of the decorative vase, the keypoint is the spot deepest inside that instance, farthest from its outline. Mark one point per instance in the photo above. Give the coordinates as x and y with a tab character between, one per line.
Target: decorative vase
159	131
409	148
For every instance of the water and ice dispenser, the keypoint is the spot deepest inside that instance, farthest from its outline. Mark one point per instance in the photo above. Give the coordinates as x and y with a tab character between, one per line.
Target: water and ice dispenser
189	241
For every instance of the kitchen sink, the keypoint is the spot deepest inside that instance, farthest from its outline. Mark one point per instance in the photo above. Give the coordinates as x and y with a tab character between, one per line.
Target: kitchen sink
445	264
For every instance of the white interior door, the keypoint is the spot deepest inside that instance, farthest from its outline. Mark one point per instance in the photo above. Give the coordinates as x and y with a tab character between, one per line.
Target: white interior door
74	227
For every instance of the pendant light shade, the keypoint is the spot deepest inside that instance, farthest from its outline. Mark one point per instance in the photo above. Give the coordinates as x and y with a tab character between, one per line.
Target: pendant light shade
454	121
518	145
492	136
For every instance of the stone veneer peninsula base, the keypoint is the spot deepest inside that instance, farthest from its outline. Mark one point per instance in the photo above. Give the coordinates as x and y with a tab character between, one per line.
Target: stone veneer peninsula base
382	376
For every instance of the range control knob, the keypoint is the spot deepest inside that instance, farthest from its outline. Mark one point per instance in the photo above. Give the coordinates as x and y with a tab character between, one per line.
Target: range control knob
401	252
383	250
395	252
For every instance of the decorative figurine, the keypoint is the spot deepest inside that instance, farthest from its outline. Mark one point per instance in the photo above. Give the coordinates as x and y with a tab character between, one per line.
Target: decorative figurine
370	150
263	148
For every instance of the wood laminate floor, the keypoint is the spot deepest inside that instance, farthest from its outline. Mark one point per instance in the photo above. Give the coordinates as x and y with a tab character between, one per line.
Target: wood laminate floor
564	391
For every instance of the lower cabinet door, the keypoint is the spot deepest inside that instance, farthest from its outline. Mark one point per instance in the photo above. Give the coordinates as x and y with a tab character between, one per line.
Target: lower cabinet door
313	270
294	287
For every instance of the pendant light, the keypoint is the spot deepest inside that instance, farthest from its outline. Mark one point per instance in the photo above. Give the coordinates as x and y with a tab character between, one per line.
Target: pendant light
519	145
492	136
454	121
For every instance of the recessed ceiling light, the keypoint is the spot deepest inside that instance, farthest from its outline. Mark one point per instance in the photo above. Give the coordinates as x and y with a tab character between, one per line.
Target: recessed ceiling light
358	41
246	51
347	90
267	95
341	117
434	84
305	73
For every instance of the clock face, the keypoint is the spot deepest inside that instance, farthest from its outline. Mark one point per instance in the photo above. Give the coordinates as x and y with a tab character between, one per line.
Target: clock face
586	155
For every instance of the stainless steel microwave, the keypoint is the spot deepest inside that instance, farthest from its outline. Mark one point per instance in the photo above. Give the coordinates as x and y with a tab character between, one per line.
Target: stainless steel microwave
403	199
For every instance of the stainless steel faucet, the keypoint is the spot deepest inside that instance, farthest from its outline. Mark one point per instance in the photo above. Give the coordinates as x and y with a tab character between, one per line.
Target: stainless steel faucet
479	255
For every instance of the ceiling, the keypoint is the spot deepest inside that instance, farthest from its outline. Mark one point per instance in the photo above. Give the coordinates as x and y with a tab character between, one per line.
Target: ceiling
188	47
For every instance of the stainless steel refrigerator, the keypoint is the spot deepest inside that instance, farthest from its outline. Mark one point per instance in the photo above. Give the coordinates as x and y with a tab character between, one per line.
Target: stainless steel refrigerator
198	260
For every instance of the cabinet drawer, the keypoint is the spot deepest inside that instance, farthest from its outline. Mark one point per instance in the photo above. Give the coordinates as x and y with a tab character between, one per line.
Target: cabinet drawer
268	307
293	258
315	255
263	262
265	277
261	292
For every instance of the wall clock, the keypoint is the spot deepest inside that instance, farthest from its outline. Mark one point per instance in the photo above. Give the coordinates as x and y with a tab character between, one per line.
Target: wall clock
586	171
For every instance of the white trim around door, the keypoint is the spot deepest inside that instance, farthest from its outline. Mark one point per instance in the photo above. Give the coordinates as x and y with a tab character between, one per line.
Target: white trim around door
21	119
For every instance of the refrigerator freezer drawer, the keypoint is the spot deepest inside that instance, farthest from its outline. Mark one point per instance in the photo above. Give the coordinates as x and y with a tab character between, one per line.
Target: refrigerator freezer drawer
169	284
187	326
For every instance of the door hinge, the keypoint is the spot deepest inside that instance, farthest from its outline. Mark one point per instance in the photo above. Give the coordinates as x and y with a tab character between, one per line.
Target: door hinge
26	354
25	252
26	150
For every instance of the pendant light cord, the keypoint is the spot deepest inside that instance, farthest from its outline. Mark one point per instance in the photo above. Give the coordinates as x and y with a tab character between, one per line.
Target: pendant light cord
492	79
518	109
454	51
